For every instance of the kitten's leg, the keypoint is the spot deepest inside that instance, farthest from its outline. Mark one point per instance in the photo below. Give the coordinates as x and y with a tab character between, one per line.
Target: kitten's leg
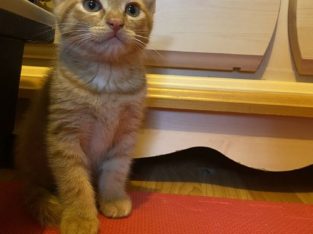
74	188
113	199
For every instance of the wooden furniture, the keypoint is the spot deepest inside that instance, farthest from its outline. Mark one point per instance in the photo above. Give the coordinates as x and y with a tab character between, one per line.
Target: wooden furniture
301	34
262	120
20	21
218	35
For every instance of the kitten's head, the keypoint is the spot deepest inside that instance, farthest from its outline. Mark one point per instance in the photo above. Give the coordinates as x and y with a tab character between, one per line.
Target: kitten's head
105	29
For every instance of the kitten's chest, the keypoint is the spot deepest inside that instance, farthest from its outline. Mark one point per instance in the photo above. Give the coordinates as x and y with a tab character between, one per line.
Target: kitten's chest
98	130
108	121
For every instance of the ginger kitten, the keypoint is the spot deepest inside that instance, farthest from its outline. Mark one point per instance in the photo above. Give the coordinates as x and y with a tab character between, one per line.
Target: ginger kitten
74	150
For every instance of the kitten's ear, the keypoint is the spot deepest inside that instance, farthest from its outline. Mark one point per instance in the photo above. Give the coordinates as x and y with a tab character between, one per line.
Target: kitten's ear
151	5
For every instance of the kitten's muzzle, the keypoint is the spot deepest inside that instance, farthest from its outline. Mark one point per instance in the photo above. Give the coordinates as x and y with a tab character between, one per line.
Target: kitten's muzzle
115	24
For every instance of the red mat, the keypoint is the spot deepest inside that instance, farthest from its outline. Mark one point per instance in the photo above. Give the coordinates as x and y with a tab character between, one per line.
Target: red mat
175	214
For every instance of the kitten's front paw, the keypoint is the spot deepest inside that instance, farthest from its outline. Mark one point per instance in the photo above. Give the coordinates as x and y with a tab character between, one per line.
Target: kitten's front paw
74	224
117	208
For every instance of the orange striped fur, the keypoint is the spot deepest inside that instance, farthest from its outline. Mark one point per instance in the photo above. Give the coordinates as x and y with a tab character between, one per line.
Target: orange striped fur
75	146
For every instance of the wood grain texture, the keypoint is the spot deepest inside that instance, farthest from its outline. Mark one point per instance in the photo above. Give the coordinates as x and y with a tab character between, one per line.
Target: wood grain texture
210	94
262	142
202	171
205	172
301	34
218	28
213	61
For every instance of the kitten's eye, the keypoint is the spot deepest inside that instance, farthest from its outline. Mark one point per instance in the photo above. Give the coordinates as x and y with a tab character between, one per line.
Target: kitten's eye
92	5
132	9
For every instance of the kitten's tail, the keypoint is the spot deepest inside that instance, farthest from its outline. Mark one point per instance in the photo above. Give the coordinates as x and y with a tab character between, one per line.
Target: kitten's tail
44	206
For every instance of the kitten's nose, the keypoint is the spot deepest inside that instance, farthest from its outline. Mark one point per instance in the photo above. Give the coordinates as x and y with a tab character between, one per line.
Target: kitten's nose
115	24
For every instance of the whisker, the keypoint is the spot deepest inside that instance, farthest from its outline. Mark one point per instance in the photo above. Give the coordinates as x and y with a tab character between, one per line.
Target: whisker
156	52
93	77
45	30
142	45
77	41
74	32
142	37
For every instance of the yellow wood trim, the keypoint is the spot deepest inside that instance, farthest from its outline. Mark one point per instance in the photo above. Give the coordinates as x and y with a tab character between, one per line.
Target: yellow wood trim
40	51
210	94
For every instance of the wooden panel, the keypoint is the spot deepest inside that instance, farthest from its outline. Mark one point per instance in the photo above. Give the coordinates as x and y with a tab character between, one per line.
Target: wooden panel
262	142
211	29
301	34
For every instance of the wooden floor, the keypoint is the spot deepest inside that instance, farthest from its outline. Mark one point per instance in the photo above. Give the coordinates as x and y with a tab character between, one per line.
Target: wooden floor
202	171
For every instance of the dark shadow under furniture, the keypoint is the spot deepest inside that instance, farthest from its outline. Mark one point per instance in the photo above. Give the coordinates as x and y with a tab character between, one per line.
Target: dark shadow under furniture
15	30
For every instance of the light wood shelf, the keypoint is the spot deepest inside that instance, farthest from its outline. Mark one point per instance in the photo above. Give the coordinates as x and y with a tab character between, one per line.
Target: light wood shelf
301	34
219	35
262	120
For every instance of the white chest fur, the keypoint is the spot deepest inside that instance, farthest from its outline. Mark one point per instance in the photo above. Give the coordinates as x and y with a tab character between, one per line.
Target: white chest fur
112	78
